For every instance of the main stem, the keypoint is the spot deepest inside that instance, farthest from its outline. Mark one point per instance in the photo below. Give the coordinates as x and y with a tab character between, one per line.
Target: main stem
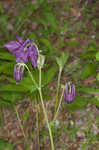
44	110
58	86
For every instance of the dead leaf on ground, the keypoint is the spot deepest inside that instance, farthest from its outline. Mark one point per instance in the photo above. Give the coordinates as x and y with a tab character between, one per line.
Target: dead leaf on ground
89	80
75	12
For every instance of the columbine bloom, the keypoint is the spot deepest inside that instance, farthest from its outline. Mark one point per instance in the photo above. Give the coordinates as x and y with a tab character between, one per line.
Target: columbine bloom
69	94
18	72
23	50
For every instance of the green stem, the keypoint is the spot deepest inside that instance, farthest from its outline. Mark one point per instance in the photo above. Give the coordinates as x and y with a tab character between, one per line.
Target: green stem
57	91
45	115
59	105
19	121
44	111
31	76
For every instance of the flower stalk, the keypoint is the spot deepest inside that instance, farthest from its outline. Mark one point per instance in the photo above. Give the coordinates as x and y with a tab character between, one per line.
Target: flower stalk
19	121
42	102
59	105
44	110
57	90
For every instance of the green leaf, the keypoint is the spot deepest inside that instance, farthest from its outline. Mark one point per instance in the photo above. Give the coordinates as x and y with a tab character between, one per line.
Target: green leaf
79	103
97	56
5	145
89	55
49	75
32	36
26	115
50	18
62	59
88	70
40	1
9	98
17	88
97	77
1	8
88	90
91	48
7	68
4	24
41	21
72	43
6	56
46	42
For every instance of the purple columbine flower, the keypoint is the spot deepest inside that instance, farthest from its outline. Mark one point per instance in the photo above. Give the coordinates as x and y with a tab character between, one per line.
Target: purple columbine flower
69	94
18	72
23	50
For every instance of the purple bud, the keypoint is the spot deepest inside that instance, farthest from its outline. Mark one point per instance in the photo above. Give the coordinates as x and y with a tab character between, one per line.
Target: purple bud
18	72
69	94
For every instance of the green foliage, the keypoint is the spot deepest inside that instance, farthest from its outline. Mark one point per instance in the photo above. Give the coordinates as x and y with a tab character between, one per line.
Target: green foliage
97	77
88	55
7	68
49	49
5	145
79	103
97	56
9	98
26	115
88	90
88	70
7	56
14	91
62	59
72	43
49	75
40	1
4	24
1	8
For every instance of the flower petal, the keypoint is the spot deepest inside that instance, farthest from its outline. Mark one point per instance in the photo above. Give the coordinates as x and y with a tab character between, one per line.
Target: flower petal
18	72
33	55
20	40
69	96
12	46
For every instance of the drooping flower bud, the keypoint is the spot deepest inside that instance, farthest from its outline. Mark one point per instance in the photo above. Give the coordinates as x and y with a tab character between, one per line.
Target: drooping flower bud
18	72
69	94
